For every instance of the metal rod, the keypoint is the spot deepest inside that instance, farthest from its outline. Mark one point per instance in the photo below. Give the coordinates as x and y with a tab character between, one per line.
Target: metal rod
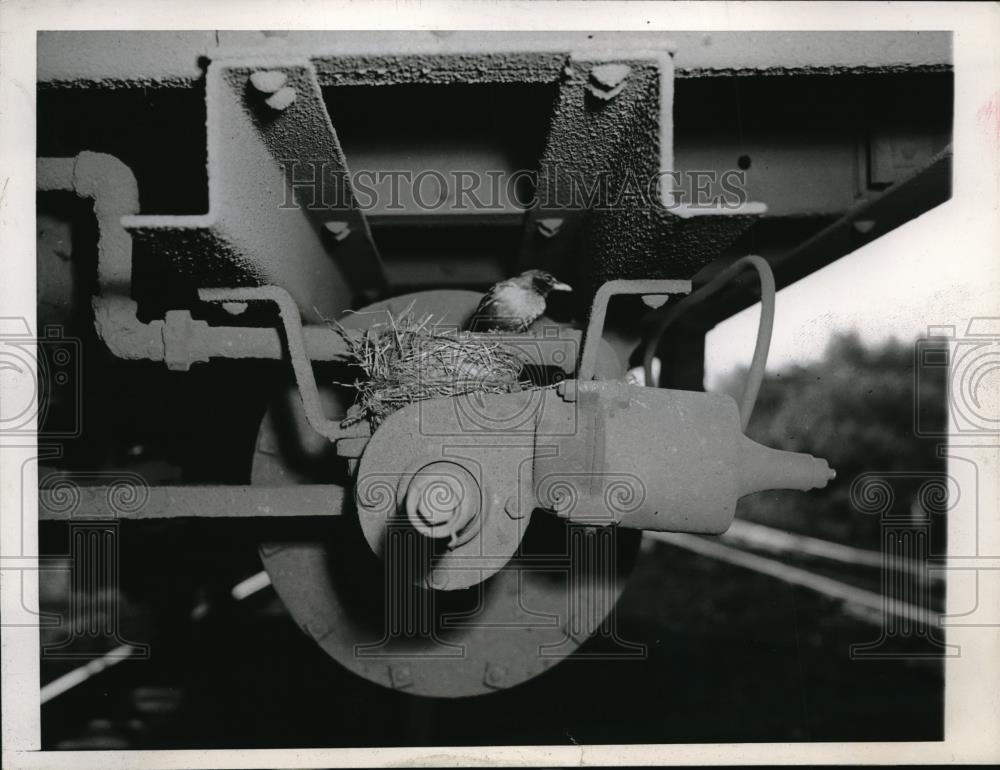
301	365
66	502
875	603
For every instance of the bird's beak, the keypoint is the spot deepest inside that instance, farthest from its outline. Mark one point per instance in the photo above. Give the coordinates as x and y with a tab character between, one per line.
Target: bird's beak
559	286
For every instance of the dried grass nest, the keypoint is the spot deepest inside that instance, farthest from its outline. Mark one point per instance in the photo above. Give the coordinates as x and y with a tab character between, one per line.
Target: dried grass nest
407	359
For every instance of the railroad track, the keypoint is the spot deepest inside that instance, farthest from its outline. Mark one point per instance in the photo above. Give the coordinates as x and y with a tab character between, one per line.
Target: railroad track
742	546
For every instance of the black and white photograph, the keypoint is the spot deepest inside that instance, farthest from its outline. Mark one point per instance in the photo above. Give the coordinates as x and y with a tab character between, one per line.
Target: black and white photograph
507	383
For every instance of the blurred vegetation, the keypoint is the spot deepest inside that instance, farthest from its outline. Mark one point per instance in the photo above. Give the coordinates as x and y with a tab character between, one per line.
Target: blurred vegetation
856	408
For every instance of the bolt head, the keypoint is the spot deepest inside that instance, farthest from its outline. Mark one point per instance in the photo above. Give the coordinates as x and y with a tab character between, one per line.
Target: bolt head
550	227
442	499
338	229
268	81
401	676
281	99
608	80
235	308
496	675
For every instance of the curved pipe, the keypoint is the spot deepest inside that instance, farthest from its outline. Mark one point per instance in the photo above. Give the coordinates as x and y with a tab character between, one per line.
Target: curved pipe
111	185
291	320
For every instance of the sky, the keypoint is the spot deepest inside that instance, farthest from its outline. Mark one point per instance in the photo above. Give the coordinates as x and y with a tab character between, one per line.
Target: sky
919	275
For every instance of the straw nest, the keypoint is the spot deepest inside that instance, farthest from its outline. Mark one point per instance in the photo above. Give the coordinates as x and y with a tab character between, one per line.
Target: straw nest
404	360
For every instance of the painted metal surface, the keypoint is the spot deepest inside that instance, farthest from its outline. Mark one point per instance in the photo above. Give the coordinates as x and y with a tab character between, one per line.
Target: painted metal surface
605	179
258	229
375	596
485	439
598	313
112	187
434	600
654	459
593	453
177	339
117	59
180	340
375	622
870	218
331	429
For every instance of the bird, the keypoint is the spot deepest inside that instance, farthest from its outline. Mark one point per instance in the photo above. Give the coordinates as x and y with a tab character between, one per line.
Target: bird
515	303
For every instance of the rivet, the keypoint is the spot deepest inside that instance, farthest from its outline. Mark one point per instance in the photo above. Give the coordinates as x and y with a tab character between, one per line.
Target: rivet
549	227
655	300
317	629
268	81
496	675
234	308
401	676
864	226
608	80
281	99
338	229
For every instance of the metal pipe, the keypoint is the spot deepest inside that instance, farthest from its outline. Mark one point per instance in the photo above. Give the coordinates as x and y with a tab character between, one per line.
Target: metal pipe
179	341
112	187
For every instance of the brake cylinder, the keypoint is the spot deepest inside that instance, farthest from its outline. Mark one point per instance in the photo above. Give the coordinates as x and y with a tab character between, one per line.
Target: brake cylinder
657	459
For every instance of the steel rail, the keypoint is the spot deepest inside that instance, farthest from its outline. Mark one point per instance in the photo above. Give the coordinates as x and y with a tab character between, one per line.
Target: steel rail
878	604
779	541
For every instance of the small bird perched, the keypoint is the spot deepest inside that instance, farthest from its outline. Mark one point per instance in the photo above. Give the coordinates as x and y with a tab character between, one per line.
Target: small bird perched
515	303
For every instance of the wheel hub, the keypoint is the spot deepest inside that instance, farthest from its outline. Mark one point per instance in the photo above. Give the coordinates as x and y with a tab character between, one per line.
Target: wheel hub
435	579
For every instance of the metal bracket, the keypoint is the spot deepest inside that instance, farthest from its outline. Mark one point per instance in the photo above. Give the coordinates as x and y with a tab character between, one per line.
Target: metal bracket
599	311
301	366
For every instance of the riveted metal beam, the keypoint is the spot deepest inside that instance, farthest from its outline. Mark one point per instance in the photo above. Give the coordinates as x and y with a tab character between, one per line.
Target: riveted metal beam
108	59
276	177
608	208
